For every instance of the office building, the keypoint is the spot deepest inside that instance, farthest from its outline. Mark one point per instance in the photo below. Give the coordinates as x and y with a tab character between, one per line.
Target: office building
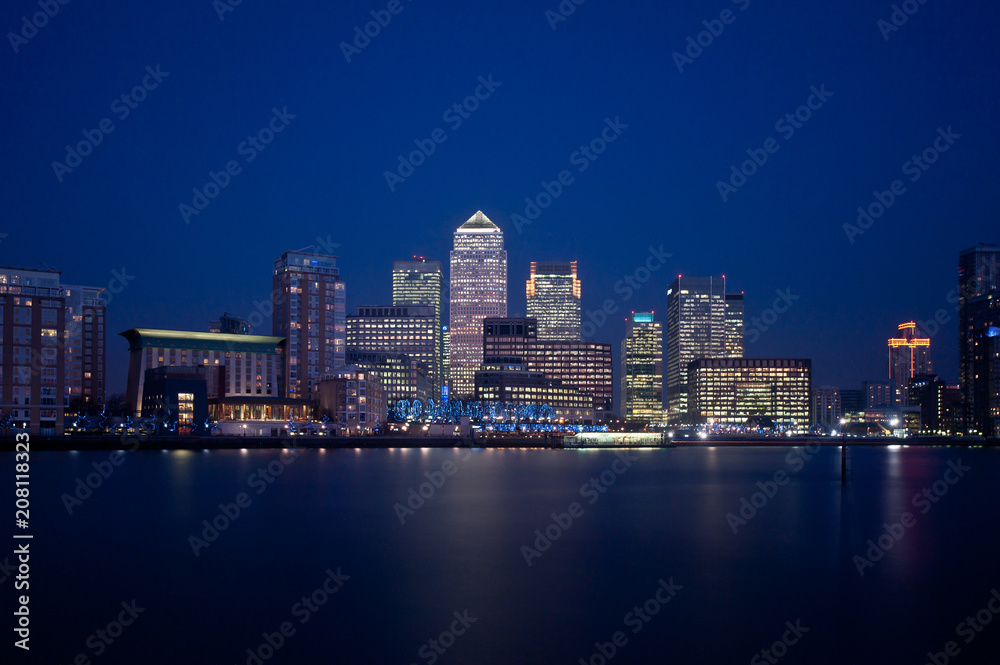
478	290
852	400
175	399
641	389
246	368
420	282
734	325
584	366
508	381
406	329
353	399
33	371
701	323
909	355
734	390
85	341
445	361
400	376
827	408
553	294
978	311
939	404
309	309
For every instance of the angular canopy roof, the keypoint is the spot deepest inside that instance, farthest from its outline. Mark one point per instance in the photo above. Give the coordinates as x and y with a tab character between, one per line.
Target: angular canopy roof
479	223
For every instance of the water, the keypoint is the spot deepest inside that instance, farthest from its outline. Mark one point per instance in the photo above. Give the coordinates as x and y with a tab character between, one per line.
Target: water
664	518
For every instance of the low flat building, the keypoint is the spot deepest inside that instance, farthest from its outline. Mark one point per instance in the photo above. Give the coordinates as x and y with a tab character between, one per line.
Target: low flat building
176	400
401	376
732	390
501	380
353	399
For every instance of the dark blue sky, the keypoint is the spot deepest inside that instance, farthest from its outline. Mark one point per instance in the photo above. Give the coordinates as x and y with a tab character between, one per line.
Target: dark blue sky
323	175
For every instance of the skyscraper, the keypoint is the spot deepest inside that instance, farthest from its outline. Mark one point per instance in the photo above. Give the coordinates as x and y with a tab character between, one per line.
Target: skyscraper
553	293
700	324
978	311
85	338
909	355
734	325
478	290
309	308
419	282
641	389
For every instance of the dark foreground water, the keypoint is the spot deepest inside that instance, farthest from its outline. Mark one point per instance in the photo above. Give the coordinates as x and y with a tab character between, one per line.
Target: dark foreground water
649	561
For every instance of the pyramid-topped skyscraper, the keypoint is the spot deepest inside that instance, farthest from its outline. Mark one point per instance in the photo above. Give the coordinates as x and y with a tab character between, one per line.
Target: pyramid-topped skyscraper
478	290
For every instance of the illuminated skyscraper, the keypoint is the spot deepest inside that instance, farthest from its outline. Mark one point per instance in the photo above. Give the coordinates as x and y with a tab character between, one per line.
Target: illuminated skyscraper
309	308
978	311
701	323
478	290
553	293
909	355
419	282
641	389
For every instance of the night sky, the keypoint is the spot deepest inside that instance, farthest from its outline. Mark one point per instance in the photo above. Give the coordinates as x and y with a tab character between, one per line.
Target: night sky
323	175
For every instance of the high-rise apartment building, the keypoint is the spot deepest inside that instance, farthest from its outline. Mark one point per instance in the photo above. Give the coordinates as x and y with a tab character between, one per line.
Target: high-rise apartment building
641	393
553	293
978	311
478	290
229	324
85	341
827	407
33	371
701	323
733	390
909	355
310	308
420	282
879	394
986	382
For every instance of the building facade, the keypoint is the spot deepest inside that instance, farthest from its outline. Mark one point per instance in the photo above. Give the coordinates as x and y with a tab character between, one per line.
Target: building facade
733	390
85	342
701	323
827	408
353	399
978	311
421	282
553	294
499	380
879	394
309	309
229	324
478	290
641	391
404	329
986	382
585	366
33	371
247	367
177	395
401	376
909	355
